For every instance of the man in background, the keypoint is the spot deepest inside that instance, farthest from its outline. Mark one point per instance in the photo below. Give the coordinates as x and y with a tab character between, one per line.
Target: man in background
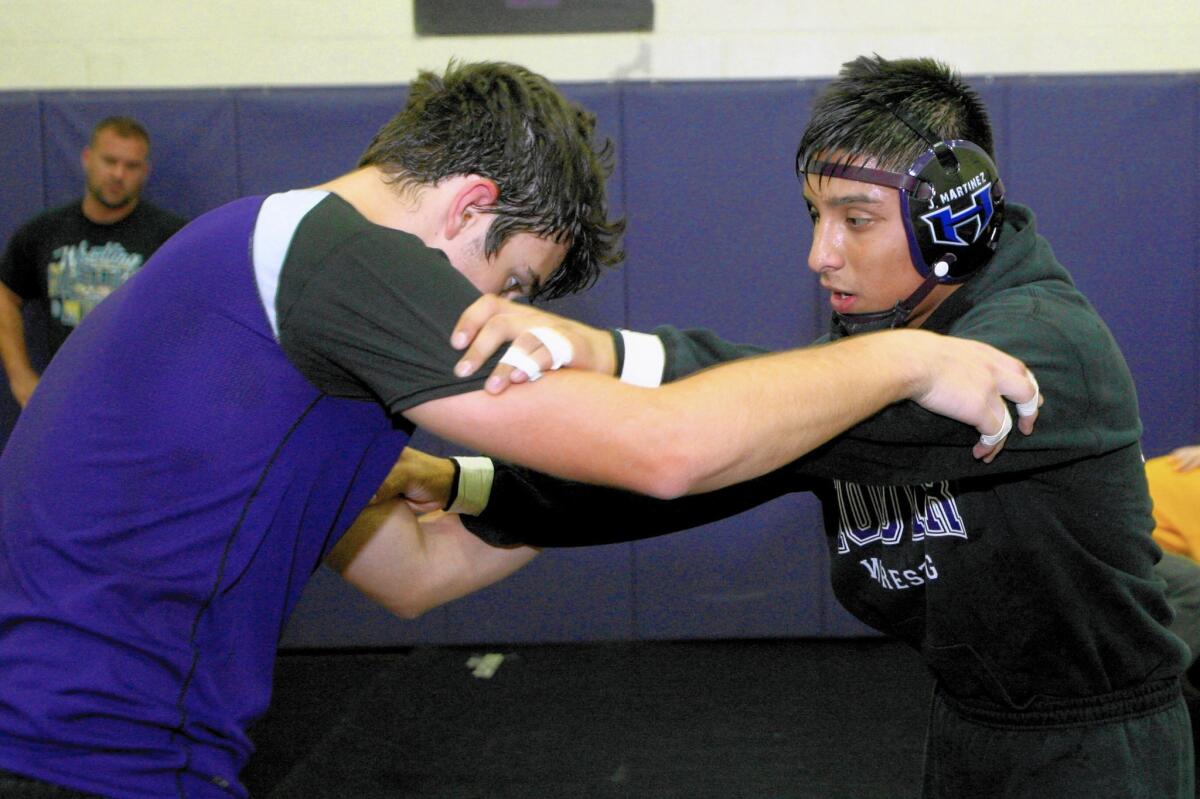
68	259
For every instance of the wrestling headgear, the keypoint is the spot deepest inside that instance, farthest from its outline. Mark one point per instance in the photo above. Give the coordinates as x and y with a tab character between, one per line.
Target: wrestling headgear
952	201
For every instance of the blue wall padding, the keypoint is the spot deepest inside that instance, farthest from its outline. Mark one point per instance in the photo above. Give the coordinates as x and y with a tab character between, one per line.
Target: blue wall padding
717	237
292	138
24	181
194	144
1110	167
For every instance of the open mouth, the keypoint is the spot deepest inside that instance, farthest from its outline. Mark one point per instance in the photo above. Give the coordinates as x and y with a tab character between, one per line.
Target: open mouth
842	301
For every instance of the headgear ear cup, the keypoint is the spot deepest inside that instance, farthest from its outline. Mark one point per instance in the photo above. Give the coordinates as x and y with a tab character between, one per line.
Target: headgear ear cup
956	207
956	210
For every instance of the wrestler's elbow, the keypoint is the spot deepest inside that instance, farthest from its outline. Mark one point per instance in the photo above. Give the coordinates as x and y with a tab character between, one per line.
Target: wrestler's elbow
410	604
407	598
667	468
410	610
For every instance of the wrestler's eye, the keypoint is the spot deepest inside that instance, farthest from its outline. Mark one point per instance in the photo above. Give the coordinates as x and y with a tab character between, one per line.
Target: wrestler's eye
512	287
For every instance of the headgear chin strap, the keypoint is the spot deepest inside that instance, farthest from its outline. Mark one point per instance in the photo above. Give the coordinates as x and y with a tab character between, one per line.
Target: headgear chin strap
849	324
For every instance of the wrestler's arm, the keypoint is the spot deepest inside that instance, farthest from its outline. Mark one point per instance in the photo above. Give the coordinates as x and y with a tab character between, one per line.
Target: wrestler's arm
729	423
527	507
412	565
385	335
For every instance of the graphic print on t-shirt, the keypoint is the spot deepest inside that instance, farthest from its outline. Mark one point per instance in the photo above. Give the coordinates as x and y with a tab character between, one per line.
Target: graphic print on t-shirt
80	276
871	515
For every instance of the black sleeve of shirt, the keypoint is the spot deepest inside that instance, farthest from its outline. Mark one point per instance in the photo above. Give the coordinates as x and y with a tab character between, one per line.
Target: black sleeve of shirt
528	507
691	349
369	316
1090	407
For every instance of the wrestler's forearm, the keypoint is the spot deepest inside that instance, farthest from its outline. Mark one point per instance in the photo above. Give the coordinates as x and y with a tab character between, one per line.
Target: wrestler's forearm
716	428
411	566
528	507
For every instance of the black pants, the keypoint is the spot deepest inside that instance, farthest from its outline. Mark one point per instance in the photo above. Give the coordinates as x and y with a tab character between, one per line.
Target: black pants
18	787
1135	745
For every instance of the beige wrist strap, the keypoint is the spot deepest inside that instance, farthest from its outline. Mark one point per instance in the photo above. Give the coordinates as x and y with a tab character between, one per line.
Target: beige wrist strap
474	485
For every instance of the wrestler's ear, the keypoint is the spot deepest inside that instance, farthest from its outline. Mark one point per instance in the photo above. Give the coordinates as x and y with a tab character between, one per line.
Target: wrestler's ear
470	205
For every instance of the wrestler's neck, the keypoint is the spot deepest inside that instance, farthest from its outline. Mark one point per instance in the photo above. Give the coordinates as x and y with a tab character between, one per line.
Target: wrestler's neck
415	211
925	309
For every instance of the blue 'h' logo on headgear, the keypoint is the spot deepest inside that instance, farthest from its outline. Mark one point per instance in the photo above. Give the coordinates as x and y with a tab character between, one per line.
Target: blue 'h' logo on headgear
944	224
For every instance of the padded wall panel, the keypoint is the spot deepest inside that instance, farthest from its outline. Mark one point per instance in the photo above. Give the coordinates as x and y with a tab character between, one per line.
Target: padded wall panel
193	148
1194	333
718	238
564	595
718	228
21	175
1108	164
21	159
294	138
759	574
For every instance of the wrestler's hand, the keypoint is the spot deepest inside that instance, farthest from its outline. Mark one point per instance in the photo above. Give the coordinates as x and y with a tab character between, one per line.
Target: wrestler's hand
420	479
1185	459
492	321
969	381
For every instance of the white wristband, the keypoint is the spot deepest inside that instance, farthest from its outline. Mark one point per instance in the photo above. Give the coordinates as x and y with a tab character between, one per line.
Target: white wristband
645	359
474	485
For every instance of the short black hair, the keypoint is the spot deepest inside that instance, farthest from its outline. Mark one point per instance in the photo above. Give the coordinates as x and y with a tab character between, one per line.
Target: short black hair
510	125
851	117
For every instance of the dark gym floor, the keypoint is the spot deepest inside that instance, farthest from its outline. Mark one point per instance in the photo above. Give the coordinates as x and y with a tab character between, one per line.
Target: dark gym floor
771	719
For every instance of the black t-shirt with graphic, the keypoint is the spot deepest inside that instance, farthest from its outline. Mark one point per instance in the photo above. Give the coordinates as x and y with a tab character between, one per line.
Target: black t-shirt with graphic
66	263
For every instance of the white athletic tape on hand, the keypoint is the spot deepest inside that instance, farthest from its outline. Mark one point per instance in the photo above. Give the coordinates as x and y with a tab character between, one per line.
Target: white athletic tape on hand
519	359
561	351
996	438
1029	407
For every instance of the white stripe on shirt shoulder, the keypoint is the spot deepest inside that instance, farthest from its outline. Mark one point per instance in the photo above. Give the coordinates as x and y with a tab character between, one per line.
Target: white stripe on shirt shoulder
278	219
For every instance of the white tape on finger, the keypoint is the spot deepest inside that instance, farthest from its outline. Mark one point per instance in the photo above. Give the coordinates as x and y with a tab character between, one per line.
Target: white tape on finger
996	438
1030	407
519	359
561	351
